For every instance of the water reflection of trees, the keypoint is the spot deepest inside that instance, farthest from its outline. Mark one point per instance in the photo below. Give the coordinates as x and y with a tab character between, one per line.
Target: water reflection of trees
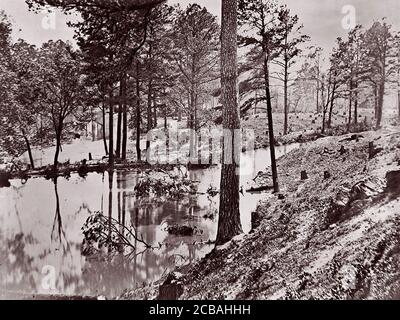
119	271
16	265
58	232
116	272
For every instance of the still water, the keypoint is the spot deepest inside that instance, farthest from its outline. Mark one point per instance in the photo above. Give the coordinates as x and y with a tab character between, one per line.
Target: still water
41	229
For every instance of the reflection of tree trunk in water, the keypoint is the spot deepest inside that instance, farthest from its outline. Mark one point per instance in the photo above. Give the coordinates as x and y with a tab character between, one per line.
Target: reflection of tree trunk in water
123	205
119	196
135	250
148	223
58	233
110	196
102	195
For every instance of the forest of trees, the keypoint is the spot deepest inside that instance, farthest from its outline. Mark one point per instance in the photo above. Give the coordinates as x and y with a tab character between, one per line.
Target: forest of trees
140	61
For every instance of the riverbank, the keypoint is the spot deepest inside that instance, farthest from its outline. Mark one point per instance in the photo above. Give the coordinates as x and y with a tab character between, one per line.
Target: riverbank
340	242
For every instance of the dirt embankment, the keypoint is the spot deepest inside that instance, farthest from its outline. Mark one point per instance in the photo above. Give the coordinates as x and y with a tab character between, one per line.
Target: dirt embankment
335	235
303	127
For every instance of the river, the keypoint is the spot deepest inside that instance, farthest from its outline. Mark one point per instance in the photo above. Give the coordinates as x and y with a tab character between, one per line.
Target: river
41	229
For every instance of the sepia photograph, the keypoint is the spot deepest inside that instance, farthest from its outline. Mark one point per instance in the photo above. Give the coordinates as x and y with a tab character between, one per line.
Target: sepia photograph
225	152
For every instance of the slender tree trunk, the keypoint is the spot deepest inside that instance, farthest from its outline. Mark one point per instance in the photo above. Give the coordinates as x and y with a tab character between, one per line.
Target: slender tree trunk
124	119
192	120
271	127
154	113
119	122
318	72
376	100
285	89
56	155
103	112
332	104
28	148
229	215
165	118
350	106
285	125
111	131
355	102
138	115
324	106
149	111
381	93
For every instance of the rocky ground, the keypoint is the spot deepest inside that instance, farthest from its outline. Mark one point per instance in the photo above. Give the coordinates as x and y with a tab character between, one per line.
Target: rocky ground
332	235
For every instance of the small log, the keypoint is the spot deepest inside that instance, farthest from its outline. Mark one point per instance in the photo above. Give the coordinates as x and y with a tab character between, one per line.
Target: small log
259	189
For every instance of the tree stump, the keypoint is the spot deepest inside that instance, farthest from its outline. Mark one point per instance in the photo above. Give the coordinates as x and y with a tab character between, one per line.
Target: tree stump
373	150
256	219
393	182
171	289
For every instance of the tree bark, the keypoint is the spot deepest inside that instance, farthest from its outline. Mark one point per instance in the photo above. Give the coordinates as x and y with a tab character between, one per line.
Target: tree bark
229	215
103	112
28	147
111	131
138	116
285	93
124	119
119	122
56	155
381	93
324	106
165	118
270	127
154	113
376	100
149	110
318	73
332	104
350	105
355	102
